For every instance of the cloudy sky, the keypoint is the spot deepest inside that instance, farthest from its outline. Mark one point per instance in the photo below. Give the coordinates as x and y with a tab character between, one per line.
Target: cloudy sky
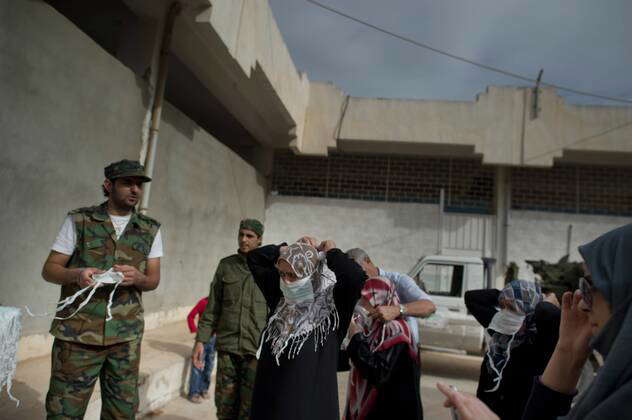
583	44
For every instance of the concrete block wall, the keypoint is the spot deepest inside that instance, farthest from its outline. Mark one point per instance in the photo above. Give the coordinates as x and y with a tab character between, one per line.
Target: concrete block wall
377	202
494	125
582	189
395	235
539	235
468	185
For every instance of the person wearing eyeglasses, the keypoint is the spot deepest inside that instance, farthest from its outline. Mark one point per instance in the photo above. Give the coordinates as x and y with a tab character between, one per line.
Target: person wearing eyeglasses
597	317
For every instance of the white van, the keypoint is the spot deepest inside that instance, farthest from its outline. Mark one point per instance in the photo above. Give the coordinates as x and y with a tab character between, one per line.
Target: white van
446	279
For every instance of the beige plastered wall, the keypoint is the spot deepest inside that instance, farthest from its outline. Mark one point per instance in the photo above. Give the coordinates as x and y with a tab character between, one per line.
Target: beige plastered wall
249	32
498	125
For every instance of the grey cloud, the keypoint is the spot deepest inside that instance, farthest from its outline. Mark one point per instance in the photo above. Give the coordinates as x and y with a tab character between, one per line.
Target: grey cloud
580	44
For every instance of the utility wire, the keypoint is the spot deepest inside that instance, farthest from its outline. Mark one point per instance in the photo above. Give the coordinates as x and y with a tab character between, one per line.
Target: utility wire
465	60
582	140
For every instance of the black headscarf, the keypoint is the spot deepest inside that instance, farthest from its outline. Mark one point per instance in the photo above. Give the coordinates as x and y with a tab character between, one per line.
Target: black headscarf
609	259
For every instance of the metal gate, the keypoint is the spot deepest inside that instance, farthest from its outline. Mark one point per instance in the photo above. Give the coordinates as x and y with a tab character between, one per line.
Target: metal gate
466	234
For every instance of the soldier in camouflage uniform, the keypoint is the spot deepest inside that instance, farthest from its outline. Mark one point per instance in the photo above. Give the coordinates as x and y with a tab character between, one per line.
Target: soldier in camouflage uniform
86	347
236	312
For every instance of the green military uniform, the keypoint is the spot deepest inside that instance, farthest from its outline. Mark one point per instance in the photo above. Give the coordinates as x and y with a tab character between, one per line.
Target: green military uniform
236	312
86	345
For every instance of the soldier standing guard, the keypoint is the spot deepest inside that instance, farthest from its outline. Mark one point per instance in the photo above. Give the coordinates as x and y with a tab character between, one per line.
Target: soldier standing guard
237	313
86	347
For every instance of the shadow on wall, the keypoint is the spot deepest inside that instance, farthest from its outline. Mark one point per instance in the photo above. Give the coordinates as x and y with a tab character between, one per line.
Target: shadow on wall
176	348
179	121
31	403
143	88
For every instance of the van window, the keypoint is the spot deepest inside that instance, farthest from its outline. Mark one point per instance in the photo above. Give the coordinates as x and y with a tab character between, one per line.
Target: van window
443	279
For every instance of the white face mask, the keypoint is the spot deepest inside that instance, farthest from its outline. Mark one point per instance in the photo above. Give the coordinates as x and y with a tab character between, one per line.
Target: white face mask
298	291
506	322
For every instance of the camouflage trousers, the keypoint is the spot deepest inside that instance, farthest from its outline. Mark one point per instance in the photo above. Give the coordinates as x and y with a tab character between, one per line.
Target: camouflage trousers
233	388
75	369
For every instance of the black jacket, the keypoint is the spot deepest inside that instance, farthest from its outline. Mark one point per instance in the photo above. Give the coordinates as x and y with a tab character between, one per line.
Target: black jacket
395	375
304	387
526	362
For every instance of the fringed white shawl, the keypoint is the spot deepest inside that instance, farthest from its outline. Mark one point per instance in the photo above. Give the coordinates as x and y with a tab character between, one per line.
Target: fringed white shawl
10	328
292	323
107	278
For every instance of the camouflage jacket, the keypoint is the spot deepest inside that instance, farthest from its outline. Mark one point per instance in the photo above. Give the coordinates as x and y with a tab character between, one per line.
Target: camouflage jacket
98	247
236	309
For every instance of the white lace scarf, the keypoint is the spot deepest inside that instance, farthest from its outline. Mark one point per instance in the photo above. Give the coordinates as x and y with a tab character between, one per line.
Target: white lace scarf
109	277
292	324
10	328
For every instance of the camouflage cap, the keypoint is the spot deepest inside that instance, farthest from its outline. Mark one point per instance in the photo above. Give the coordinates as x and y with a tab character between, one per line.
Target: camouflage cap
124	168
253	225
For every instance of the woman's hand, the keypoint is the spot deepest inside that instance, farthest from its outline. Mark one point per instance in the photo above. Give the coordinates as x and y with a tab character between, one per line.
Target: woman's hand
354	328
309	240
467	406
575	331
326	245
572	349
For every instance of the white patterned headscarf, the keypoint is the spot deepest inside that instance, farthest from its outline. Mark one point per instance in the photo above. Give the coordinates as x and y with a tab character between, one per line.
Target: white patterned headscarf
520	297
291	324
303	259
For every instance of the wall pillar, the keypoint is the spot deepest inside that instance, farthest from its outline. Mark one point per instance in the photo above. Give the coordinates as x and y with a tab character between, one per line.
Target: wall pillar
502	203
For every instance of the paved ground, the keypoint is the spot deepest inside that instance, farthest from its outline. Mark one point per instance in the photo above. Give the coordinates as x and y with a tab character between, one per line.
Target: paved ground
459	370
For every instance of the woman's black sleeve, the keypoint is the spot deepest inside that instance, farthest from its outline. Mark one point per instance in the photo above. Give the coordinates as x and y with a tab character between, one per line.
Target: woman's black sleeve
376	366
261	262
547	322
482	304
349	281
546	404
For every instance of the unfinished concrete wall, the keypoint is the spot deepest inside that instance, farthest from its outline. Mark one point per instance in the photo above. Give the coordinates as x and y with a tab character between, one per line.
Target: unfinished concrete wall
249	31
201	191
498	125
397	234
537	235
68	109
236	50
394	234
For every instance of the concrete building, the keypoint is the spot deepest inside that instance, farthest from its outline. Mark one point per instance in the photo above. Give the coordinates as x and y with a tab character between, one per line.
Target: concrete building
243	133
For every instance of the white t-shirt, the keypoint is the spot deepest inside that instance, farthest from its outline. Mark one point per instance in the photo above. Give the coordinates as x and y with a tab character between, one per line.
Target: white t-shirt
67	239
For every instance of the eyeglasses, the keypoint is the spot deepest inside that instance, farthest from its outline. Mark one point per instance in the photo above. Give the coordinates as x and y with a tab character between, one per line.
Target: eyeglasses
586	287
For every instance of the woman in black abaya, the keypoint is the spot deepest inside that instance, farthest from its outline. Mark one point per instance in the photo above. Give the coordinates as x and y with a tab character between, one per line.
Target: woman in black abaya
311	292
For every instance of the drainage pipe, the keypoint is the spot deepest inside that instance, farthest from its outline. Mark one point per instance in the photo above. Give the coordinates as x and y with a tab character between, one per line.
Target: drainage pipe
156	110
